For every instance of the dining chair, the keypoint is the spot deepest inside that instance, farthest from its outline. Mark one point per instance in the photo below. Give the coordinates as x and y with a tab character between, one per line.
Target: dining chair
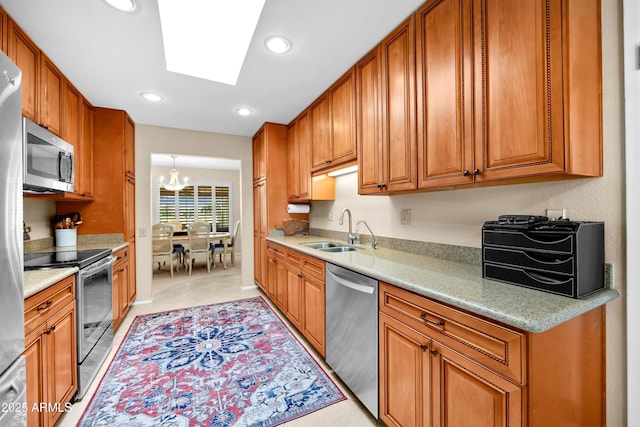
177	226
218	248
199	244
163	249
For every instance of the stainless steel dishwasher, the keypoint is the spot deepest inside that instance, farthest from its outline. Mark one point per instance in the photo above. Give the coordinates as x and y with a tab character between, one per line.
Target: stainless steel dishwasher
352	332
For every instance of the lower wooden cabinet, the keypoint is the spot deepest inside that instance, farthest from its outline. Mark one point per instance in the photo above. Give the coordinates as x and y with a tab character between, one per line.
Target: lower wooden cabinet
440	366
295	284
121	288
50	352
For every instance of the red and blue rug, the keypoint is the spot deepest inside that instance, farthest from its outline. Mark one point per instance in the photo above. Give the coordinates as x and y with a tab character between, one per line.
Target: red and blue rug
229	364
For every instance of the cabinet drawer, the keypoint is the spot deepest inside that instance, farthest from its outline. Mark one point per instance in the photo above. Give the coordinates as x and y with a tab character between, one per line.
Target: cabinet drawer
293	258
534	240
275	251
121	254
41	306
313	267
496	347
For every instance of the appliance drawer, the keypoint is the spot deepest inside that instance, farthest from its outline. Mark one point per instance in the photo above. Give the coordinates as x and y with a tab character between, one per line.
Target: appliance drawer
487	343
552	242
557	263
39	307
557	284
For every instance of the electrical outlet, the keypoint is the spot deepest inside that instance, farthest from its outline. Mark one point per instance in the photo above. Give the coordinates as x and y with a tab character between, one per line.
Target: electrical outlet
330	216
555	214
405	217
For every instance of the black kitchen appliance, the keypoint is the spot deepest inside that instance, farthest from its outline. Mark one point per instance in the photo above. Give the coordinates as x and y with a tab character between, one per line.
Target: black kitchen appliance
562	257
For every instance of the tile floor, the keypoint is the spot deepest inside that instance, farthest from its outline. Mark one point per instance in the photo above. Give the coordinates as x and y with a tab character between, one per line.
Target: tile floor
219	286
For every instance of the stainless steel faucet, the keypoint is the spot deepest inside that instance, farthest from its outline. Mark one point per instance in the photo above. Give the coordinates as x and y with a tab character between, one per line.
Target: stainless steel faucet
374	242
351	238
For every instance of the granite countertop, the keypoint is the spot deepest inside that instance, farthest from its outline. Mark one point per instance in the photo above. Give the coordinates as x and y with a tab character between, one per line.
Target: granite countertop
35	281
458	284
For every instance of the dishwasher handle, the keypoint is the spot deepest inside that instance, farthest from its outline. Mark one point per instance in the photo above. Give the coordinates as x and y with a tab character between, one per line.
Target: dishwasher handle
349	284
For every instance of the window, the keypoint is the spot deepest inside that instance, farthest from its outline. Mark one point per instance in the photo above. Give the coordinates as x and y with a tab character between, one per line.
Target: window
196	203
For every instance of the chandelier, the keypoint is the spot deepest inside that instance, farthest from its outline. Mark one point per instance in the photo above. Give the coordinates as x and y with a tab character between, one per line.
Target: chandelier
174	182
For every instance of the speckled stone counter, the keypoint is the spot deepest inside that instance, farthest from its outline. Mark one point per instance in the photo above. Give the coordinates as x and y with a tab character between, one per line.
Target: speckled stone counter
458	284
36	280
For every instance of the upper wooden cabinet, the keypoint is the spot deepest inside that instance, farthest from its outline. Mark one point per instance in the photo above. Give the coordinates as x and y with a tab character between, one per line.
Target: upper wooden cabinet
3	30
333	125
84	164
517	98
385	100
26	55
52	85
259	156
298	165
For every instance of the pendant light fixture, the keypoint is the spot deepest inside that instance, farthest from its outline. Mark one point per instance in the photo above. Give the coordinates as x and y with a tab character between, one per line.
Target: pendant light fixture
174	183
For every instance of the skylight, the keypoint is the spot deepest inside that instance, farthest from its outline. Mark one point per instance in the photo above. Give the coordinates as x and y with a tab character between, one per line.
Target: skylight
208	39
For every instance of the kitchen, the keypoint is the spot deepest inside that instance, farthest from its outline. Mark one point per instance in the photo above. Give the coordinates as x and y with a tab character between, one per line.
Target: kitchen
450	217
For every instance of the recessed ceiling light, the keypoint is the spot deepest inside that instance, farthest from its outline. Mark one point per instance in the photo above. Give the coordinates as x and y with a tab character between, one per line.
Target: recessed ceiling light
152	97
277	44
123	5
208	39
244	111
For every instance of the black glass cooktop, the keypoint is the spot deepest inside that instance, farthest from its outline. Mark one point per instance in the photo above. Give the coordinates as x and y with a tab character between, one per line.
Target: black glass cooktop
59	259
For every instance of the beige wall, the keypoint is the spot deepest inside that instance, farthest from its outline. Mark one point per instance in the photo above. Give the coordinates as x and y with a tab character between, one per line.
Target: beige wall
153	139
456	217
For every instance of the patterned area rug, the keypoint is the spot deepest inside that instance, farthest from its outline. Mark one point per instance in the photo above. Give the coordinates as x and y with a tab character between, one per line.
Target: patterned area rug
229	364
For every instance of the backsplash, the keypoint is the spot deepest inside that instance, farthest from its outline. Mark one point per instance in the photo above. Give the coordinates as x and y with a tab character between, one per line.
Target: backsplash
83	239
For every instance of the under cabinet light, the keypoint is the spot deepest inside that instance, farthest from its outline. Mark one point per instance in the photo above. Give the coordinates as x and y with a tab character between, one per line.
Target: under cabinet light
344	171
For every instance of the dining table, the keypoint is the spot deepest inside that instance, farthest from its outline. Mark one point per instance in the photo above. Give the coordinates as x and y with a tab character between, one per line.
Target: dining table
182	237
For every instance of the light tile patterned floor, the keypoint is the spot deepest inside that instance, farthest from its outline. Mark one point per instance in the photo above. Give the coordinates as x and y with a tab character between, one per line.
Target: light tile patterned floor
219	286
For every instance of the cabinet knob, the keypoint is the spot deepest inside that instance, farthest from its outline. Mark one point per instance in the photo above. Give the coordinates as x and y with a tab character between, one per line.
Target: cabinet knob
476	171
327	161
465	173
434	353
424	347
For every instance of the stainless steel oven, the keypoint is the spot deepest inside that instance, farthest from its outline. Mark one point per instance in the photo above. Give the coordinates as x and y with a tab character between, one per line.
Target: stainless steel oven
94	304
95	319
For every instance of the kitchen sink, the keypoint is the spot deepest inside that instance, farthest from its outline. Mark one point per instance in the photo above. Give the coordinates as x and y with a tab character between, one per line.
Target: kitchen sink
321	245
340	249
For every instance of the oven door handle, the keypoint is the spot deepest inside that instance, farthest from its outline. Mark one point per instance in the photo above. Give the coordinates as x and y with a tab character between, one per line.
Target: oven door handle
98	266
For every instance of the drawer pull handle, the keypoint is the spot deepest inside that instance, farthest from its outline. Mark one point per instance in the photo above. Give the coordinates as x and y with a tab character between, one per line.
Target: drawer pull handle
433	322
51	329
45	306
424	347
434	353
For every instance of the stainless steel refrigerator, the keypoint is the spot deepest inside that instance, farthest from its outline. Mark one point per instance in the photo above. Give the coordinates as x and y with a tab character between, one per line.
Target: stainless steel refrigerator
13	404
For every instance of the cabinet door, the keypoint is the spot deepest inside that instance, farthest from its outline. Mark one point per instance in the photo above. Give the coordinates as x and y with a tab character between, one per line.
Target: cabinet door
71	103
398	108
84	164
444	93
518	88
61	361
343	119
116	290
466	394
304	144
292	161
129	148
272	279
314	313
259	156
320	133
3	30
131	281
129	211
405	375
26	55
34	354
51	89
294	307
371	157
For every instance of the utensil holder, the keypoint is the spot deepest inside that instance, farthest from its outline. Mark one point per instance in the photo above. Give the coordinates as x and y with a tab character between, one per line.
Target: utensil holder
66	237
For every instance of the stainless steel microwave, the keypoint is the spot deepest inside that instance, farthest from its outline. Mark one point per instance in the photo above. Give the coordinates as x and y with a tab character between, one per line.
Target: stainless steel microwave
48	160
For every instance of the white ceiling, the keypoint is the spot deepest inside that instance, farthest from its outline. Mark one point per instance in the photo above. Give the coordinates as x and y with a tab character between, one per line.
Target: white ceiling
194	162
111	57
